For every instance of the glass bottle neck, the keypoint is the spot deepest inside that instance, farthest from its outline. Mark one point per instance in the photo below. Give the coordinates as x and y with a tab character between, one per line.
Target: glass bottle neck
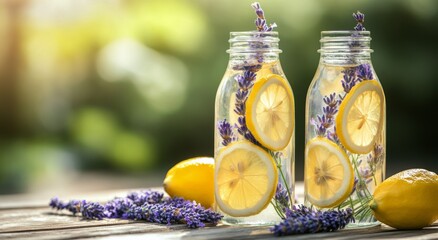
254	45
345	47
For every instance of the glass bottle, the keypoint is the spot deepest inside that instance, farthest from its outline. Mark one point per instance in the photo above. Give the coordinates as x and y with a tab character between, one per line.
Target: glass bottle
247	111
345	128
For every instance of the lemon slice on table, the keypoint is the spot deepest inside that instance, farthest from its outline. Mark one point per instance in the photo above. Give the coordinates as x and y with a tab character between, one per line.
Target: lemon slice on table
329	176
270	112
360	117
245	180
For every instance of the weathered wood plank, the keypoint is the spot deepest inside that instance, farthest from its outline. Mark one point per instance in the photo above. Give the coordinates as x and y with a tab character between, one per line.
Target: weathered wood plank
41	224
33	222
138	230
264	233
21	220
88	231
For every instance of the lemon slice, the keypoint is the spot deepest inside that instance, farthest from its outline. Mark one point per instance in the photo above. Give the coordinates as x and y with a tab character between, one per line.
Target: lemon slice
245	180
270	112
360	117
329	176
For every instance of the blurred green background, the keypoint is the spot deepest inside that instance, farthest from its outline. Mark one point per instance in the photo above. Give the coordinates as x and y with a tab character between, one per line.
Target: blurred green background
127	87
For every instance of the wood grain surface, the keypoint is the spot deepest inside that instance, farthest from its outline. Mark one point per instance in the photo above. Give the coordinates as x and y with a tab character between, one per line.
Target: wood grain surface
29	217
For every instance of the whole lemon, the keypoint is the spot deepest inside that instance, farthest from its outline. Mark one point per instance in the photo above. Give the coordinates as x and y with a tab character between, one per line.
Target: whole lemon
407	200
192	179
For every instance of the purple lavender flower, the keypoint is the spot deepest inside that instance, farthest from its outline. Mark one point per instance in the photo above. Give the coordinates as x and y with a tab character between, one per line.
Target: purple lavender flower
141	197
322	124
243	130
135	213
332	136
226	132
74	206
375	158
365	173
325	121
118	207
176	210
149	206
332	106
361	188
245	83
55	203
349	79
260	22
331	101
364	72
360	18
92	210
258	10
282	197
305	220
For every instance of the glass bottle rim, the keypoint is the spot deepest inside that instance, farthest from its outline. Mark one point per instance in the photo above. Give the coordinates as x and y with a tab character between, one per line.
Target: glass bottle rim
345	35
254	36
345	41
254	41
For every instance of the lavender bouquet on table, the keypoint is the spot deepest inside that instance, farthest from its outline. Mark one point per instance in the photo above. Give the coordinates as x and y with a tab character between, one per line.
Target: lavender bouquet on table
149	206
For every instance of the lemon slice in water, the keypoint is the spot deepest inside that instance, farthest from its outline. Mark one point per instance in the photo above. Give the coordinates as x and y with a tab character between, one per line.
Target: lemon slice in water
270	112
360	117
329	176
245	180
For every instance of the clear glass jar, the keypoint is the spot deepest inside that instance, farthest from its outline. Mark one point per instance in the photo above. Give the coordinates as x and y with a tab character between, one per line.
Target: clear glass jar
345	127
253	75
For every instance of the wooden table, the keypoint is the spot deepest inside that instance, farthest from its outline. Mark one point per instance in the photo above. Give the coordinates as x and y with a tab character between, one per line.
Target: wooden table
29	217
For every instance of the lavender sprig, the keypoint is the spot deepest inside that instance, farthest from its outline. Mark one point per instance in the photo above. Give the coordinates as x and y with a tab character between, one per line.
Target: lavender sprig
364	72
245	83
89	210
375	158
142	197
325	121
349	79
301	219
149	206
332	105
281	199
118	207
226	132
360	18
92	210
260	22
56	203
174	211
332	136
73	206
